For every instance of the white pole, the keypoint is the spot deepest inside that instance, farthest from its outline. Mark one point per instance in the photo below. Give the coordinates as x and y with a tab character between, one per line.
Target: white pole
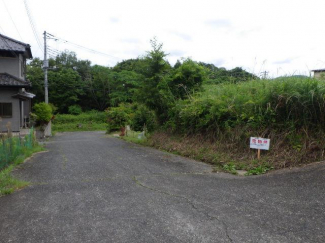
45	66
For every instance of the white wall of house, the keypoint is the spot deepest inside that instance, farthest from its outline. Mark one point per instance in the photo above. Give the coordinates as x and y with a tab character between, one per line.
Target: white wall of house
6	97
13	66
318	75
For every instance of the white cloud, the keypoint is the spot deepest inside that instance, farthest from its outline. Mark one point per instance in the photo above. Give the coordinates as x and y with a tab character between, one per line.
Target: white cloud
219	23
257	35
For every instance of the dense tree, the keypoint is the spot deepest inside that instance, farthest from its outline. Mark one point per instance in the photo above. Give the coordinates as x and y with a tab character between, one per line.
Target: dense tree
137	65
66	59
35	75
222	75
83	67
124	86
177	64
150	80
186	78
98	86
239	75
64	88
154	91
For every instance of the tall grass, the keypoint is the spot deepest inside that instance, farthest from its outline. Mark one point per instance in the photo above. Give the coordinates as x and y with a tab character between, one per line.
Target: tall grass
281	103
290	111
13	151
12	147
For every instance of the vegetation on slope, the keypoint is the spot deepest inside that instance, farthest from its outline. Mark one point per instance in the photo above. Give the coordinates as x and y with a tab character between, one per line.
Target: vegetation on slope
281	104
202	111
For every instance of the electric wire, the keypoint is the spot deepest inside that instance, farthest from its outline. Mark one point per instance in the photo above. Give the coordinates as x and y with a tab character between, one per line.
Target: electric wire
2	29
4	3
80	46
53	50
33	25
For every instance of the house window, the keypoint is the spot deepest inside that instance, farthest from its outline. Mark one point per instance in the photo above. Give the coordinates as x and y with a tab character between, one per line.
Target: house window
5	109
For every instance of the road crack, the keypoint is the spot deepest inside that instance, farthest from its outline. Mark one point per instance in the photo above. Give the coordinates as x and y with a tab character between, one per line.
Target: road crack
189	201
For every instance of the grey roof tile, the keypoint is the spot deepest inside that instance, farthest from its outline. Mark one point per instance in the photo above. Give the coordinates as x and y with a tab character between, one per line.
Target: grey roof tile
12	81
24	95
9	44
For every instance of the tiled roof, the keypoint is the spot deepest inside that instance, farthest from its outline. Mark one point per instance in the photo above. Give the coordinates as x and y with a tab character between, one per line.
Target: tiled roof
12	81
24	95
9	44
319	70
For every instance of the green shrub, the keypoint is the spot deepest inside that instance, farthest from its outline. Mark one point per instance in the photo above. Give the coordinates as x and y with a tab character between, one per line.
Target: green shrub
136	115
75	110
43	113
141	117
118	117
54	108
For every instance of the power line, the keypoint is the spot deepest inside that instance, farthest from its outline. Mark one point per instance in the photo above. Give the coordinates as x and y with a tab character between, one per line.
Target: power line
2	29
4	3
80	46
264	74
33	25
53	51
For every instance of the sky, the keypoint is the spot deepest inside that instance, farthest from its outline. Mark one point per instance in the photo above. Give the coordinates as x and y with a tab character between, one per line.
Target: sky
281	37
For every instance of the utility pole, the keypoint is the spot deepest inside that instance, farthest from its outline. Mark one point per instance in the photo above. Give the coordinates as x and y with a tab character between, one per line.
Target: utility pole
45	67
264	74
48	129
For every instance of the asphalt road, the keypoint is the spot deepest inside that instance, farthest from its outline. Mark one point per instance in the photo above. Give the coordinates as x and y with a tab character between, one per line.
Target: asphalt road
92	188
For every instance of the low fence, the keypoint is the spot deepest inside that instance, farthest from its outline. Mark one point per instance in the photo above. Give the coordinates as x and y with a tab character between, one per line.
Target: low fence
12	147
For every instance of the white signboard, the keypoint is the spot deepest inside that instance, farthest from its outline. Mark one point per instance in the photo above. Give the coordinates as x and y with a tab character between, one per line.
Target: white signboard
260	143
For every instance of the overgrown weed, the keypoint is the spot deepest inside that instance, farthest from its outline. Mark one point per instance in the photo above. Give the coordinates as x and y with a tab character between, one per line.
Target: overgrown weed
283	104
8	184
230	153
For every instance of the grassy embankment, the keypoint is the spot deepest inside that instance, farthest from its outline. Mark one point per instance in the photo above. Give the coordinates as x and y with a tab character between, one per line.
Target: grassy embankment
87	121
13	153
215	125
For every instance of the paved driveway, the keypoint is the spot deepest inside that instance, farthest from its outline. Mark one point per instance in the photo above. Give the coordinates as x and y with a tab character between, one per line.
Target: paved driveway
93	188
